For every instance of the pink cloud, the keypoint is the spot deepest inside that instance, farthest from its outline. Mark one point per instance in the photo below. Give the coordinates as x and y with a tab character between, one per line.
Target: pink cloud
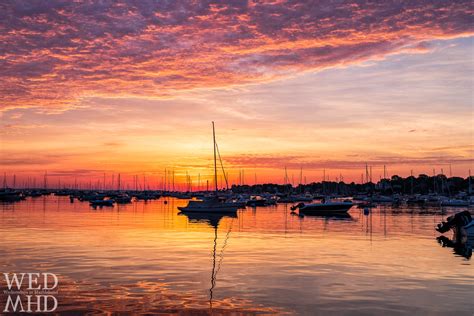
53	53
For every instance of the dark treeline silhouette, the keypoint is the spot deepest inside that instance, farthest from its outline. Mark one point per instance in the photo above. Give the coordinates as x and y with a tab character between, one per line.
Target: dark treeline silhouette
423	184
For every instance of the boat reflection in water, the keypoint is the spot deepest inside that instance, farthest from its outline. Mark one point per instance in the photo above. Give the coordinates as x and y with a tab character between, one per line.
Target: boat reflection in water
333	216
461	246
462	226
212	219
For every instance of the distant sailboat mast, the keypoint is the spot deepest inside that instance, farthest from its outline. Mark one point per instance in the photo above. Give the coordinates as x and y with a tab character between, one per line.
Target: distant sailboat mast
215	157
470	186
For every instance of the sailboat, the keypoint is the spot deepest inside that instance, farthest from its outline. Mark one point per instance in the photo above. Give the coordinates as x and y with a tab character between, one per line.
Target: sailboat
214	204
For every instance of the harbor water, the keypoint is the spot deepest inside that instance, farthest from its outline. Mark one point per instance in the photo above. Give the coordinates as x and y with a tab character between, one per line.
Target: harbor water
146	257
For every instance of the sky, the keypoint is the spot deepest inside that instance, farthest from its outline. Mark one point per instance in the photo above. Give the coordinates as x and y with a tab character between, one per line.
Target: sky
131	87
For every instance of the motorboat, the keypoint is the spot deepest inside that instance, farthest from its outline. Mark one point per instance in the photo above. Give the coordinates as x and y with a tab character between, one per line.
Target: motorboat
324	208
209	206
461	223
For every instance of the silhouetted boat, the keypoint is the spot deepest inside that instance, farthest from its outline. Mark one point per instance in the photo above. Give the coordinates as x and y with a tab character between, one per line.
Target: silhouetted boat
122	199
213	204
255	201
8	195
95	203
324	208
209	206
461	223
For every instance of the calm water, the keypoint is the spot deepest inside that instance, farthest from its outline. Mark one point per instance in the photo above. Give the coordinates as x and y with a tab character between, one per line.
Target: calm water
146	258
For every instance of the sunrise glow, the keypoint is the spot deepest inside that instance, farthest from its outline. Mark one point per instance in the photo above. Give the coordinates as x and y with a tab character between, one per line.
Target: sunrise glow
100	89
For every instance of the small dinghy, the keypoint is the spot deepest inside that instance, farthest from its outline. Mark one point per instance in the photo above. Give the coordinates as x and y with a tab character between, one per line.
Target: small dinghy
461	223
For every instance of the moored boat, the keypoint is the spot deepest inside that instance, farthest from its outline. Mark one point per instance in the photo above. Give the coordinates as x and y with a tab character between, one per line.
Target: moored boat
256	201
461	223
8	195
122	199
214	204
95	203
330	207
209	206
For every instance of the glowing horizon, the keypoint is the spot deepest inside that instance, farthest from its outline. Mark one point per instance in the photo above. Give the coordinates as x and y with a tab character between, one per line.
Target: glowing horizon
131	88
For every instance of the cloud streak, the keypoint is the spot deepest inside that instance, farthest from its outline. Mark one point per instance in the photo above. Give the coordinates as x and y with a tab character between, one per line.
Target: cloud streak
318	163
54	53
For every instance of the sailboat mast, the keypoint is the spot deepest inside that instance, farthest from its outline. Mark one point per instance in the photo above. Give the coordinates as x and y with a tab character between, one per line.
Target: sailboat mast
215	158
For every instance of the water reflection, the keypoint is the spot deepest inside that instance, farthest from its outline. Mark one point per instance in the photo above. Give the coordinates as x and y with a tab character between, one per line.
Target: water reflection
146	258
461	246
212	219
335	217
